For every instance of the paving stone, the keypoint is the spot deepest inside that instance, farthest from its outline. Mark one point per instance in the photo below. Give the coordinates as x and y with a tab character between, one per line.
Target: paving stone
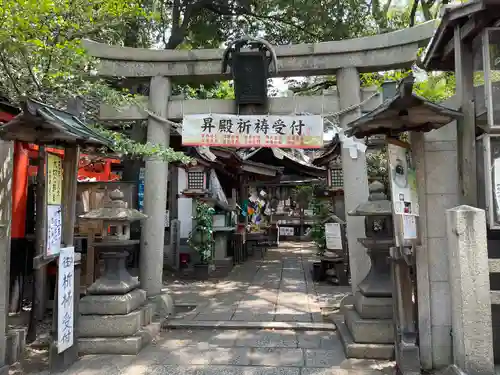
319	340
180	337
317	317
279	357
324	358
99	364
246	370
267	339
230	356
271	371
215	315
292	316
198	355
329	371
249	316
169	370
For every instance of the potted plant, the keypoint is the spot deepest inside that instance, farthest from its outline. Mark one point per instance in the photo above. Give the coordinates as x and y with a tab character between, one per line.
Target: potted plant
201	239
321	212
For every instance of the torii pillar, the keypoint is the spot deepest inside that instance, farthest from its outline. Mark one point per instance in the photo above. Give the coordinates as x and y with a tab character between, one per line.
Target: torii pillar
355	177
155	200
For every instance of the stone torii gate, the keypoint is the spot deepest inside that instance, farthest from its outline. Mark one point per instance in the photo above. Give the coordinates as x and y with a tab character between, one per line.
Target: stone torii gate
345	58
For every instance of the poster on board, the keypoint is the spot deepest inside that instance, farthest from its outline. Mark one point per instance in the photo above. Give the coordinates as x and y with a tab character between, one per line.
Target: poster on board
54	179
54	230
403	180
54	199
404	195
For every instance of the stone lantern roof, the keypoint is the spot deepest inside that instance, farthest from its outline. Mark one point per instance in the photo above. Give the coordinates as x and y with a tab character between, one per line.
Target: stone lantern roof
377	204
115	209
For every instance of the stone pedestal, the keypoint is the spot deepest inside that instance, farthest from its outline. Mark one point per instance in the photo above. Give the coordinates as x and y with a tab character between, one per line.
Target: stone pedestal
115	316
223	263
367	330
364	336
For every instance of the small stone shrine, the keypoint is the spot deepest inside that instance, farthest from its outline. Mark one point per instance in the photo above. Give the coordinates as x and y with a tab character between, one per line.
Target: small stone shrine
367	330
115	315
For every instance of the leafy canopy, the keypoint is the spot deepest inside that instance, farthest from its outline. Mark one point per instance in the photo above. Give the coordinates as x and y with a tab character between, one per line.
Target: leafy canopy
41	57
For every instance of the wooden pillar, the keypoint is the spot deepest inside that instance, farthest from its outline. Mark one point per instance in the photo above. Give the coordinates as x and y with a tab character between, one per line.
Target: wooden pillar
70	170
40	233
466	126
59	362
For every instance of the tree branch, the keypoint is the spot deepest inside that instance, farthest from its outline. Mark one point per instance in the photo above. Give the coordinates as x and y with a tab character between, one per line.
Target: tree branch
279	19
246	11
413	12
35	80
9	73
179	31
426	9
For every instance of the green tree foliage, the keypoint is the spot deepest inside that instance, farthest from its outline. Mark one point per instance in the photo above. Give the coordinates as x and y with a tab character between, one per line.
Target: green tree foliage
41	56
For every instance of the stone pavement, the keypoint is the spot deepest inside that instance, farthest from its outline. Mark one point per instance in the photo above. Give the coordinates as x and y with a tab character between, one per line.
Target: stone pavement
235	352
278	288
276	291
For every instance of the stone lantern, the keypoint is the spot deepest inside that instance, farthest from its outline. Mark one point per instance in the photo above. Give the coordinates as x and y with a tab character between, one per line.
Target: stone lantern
368	329
116	318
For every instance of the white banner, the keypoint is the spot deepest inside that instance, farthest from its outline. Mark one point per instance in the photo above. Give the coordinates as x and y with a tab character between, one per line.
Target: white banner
253	131
65	298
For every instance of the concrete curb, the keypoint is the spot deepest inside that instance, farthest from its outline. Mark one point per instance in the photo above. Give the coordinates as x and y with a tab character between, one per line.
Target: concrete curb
297	326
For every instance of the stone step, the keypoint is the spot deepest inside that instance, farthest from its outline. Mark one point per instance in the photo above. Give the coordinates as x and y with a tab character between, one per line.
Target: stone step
110	325
362	351
368	331
495	297
131	345
110	345
200	324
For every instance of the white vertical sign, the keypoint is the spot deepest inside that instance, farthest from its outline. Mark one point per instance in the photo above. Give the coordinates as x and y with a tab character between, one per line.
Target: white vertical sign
54	229
333	234
65	298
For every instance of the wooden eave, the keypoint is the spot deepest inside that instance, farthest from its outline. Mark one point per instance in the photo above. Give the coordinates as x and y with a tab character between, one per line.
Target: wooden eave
404	112
44	125
281	158
471	17
252	167
331	151
7	107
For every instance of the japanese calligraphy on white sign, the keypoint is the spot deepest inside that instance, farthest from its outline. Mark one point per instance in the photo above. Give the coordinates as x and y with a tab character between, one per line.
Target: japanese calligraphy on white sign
253	131
65	299
54	229
54	196
54	179
333	234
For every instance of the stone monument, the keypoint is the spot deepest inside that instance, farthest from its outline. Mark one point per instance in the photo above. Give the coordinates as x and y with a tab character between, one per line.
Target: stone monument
368	329
115	315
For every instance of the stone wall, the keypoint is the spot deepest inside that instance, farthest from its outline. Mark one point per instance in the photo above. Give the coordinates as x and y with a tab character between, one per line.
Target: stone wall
436	157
